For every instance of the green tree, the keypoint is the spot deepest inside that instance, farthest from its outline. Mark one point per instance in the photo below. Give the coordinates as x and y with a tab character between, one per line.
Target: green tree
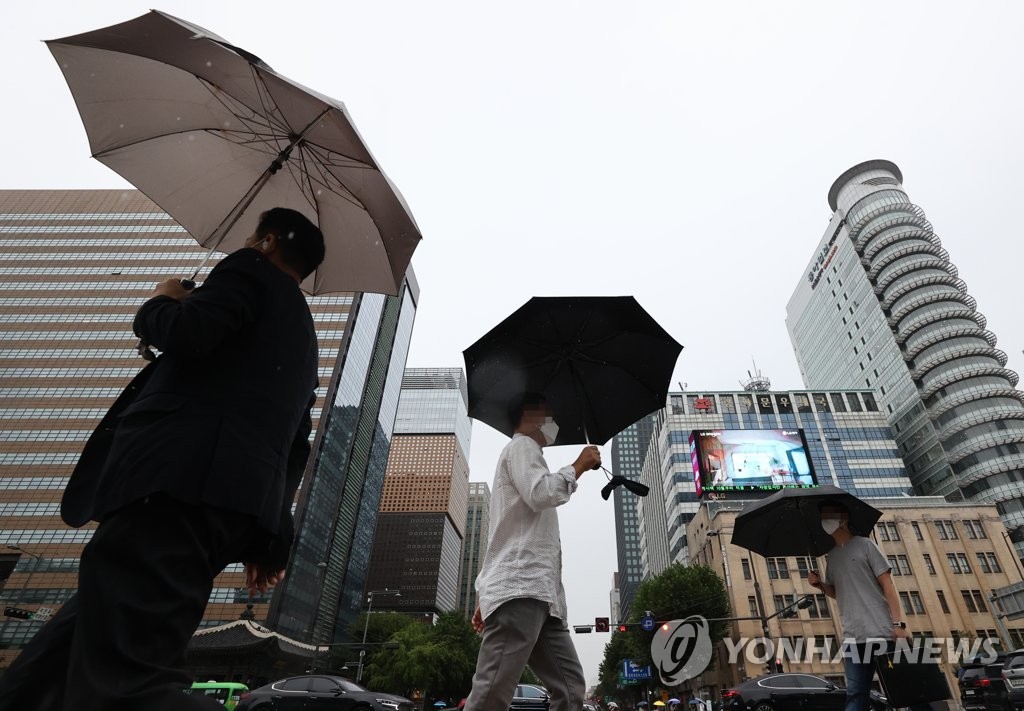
380	628
676	593
437	660
622	646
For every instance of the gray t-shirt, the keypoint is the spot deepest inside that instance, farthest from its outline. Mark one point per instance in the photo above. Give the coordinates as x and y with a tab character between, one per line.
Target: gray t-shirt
854	569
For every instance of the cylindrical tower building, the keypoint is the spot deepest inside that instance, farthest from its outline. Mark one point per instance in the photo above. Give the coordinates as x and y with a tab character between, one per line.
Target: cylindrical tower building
970	402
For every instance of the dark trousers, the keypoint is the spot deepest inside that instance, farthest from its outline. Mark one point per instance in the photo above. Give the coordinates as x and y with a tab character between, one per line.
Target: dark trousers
119	642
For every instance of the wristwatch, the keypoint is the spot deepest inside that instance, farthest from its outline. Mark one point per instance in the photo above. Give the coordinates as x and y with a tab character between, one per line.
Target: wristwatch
900	625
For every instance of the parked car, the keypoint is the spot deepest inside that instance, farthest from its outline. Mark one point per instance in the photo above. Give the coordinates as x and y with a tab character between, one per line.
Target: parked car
327	693
982	687
228	693
790	691
530	698
1013	679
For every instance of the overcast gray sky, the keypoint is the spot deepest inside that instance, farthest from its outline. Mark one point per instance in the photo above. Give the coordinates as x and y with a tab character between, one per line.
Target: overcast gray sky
680	152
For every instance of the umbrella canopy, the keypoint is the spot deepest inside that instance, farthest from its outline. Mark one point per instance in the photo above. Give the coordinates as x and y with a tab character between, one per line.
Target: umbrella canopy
440	704
214	136
601	363
659	703
673	700
788	522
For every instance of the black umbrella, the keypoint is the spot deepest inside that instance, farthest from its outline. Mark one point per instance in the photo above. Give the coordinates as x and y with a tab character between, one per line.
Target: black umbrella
601	363
789	523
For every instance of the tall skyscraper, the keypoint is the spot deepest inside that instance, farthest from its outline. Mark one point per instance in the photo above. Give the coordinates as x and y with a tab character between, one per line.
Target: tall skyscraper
882	306
742	444
75	266
629	448
417	548
474	544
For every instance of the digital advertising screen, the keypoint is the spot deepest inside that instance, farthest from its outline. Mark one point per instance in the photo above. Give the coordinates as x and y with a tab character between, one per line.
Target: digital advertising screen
750	460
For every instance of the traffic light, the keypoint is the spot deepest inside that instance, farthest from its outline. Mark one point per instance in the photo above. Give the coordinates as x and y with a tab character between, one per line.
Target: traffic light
623	628
601	624
18	613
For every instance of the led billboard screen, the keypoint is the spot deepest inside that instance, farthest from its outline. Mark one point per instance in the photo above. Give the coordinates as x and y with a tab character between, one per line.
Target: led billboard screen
745	460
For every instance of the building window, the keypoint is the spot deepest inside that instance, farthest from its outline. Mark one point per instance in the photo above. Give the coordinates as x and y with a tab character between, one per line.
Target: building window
928	563
777	569
783	601
958	563
946	530
888	532
942	602
974	600
988	563
974	529
899	565
803	565
745	564
752	603
917	530
819	610
912	604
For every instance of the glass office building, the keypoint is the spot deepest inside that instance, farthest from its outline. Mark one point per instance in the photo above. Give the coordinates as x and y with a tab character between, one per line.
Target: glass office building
474	543
753	441
881	306
418	544
75	266
629	448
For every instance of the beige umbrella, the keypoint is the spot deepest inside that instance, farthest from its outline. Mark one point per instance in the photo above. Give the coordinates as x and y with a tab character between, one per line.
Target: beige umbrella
214	136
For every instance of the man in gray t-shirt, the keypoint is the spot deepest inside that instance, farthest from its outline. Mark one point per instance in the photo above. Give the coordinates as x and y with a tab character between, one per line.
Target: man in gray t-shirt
857	576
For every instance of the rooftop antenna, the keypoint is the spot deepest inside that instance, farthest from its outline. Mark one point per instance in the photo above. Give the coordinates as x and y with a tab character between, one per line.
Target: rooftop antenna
756	381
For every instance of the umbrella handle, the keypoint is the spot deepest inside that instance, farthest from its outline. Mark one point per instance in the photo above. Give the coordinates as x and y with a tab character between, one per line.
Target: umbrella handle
142	348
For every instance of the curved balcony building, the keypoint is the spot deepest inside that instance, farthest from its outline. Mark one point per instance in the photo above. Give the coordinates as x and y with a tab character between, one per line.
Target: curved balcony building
884	307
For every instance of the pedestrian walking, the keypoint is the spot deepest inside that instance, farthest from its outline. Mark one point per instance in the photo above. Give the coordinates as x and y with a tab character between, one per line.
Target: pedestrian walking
194	467
858	577
522	610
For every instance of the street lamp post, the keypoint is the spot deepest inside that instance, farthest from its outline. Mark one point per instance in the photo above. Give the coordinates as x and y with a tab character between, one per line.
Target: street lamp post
366	624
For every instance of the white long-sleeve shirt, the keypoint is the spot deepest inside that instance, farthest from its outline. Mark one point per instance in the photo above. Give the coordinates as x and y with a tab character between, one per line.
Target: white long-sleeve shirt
524	551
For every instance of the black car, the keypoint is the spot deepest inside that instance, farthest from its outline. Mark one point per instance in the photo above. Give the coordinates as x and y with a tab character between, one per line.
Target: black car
788	692
329	693
530	698
982	687
1013	679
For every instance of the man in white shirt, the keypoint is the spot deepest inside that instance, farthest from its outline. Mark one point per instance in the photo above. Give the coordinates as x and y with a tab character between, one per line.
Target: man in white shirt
521	610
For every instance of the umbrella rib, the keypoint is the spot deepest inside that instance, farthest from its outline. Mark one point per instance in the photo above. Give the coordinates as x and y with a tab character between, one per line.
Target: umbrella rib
338	189
261	89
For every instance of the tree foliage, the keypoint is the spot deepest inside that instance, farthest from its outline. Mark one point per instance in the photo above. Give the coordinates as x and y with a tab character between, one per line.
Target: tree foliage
438	660
679	592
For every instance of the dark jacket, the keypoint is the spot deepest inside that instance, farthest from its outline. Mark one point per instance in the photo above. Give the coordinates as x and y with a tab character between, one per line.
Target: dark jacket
222	417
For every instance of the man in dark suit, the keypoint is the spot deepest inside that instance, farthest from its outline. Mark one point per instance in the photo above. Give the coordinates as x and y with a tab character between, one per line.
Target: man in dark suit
194	467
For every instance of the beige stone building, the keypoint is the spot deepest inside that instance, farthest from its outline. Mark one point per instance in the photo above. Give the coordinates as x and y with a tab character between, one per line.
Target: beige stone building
946	560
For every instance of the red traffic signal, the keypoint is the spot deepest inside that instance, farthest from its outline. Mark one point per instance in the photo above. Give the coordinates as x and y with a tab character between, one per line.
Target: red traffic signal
601	624
623	628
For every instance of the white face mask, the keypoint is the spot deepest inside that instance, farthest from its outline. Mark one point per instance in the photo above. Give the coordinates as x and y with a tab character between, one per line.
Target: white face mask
831	525
549	430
